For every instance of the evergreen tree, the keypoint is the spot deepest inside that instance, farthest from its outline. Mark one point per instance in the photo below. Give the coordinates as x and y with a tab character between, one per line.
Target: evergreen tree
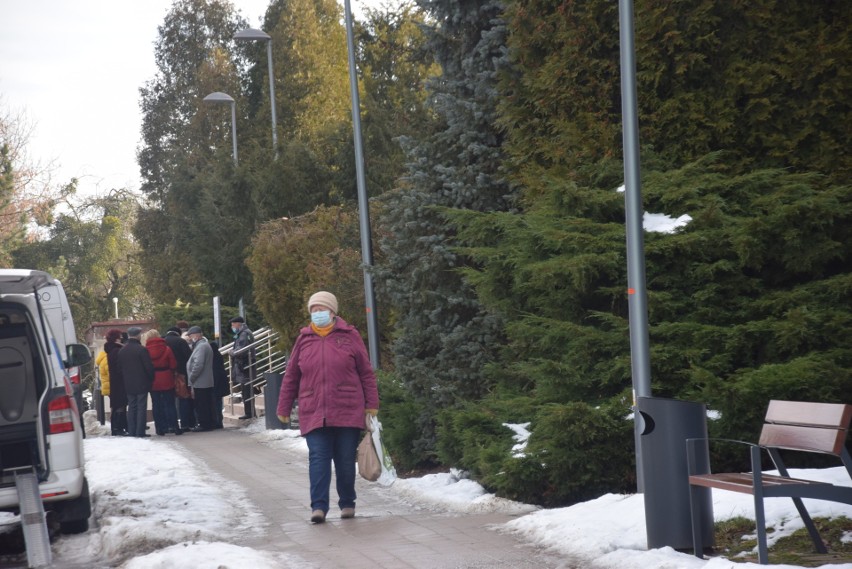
191	33
185	158
394	66
444	338
760	80
744	302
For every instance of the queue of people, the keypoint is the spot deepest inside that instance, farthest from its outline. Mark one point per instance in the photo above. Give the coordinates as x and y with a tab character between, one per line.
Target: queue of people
183	373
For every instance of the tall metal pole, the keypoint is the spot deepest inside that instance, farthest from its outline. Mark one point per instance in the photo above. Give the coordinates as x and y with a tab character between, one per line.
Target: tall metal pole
272	96
637	297
234	129
363	208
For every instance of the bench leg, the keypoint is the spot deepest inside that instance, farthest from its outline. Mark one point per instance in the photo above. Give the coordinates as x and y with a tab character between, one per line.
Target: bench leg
760	520
800	506
694	507
809	523
759	516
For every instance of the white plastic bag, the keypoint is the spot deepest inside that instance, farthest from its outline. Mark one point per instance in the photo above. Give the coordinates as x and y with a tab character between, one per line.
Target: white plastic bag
388	475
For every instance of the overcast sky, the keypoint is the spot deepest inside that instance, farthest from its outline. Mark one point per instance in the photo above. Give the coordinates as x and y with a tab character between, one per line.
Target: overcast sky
75	68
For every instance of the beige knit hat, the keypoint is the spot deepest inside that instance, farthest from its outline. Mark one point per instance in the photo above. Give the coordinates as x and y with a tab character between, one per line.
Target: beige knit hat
323	298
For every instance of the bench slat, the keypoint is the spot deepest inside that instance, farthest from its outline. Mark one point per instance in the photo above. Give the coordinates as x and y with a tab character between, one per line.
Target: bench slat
837	415
795	437
741	481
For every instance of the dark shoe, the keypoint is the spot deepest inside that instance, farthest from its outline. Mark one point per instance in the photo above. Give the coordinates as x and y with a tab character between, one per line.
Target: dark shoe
144	435
178	432
244	417
317	517
161	433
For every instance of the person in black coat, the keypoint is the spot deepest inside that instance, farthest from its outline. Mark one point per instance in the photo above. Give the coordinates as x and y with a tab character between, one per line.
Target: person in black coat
137	371
182	351
117	393
221	386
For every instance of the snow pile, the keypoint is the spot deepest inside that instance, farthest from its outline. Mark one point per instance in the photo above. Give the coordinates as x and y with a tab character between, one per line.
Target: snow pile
153	502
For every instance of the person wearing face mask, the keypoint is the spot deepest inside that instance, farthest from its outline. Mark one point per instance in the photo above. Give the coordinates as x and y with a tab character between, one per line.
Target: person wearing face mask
243	364
330	373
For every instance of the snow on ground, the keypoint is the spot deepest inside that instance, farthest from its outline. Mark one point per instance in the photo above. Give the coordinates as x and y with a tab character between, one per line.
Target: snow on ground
606	533
159	508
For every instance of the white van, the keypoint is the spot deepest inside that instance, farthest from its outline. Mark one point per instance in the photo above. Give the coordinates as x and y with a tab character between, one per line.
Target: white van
54	302
40	425
58	314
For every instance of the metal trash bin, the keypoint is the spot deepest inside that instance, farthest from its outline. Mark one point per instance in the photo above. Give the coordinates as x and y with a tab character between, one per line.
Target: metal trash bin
270	400
667	425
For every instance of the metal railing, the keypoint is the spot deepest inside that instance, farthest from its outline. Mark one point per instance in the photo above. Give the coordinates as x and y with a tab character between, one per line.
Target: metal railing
263	356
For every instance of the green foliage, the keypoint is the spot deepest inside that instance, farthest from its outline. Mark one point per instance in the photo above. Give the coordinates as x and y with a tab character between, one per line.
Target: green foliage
293	258
202	315
395	67
754	78
91	251
575	451
740	311
443	336
399	428
197	226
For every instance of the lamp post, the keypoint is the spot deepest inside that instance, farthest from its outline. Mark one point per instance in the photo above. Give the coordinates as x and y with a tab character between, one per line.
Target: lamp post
637	296
115	302
252	34
363	208
223	98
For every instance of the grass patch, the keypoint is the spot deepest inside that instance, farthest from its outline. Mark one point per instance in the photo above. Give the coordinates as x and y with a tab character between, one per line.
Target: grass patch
796	549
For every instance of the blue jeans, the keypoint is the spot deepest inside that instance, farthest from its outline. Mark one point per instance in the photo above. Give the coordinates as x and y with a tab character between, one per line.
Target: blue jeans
327	445
165	412
137	414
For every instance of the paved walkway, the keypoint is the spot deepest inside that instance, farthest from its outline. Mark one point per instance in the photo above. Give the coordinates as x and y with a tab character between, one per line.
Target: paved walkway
386	532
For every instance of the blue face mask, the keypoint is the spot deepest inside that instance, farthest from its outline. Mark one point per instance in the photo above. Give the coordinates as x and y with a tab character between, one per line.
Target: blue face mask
234	330
321	318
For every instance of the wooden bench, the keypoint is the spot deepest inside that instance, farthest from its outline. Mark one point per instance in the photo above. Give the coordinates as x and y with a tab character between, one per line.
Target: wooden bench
790	425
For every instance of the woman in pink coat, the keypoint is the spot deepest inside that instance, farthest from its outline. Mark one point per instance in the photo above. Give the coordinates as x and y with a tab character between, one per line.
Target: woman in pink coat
330	373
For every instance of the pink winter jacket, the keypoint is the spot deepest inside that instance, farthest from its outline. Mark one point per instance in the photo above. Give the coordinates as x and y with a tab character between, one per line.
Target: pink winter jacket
332	377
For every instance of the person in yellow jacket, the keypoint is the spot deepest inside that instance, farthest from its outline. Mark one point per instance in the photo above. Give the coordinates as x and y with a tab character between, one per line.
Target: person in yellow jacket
103	366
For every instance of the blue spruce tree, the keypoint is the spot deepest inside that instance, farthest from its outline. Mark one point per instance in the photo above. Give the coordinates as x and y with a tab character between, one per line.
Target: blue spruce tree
444	337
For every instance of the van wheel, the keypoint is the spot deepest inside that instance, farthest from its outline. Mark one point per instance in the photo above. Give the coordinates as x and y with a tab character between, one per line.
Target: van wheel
74	526
74	514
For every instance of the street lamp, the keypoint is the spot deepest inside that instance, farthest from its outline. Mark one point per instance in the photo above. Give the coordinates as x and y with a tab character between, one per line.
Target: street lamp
252	34
115	302
363	208
223	98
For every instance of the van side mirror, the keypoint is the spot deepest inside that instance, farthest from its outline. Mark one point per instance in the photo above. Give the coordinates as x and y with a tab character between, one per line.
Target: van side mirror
78	354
